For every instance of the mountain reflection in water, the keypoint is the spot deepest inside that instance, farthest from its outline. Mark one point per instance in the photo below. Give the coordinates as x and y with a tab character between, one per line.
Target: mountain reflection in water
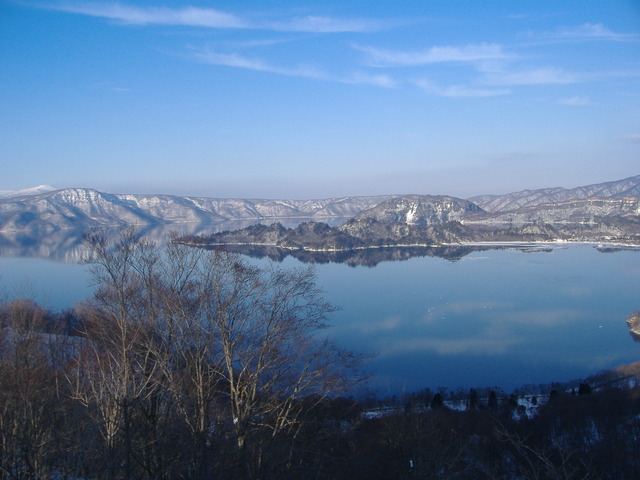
369	257
67	245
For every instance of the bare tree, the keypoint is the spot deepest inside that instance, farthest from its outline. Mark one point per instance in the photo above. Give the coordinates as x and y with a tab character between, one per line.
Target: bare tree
237	347
30	404
266	322
255	346
552	460
117	364
190	358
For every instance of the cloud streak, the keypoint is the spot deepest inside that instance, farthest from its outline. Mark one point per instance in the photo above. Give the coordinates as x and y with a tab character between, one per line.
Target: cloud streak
213	18
441	54
492	61
239	61
494	64
575	101
322	24
460	91
306	71
130	15
538	76
590	31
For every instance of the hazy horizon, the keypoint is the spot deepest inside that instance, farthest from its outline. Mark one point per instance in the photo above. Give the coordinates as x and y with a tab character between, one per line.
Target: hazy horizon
6	192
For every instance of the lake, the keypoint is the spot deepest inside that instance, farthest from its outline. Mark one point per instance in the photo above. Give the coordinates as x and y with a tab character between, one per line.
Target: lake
501	317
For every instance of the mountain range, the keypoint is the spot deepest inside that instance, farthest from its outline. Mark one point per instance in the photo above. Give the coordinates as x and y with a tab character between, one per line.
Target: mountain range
612	206
628	187
83	208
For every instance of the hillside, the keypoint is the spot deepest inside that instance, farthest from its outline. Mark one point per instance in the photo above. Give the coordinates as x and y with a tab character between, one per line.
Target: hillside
421	210
83	208
589	211
628	187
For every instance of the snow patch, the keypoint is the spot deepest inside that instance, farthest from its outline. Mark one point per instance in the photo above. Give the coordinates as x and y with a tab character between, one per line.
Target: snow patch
27	191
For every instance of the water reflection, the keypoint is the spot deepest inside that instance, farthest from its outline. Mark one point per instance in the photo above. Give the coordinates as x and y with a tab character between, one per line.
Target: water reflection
65	245
354	258
62	246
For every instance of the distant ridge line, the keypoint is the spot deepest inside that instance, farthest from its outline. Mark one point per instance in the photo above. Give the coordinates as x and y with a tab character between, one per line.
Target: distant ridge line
82	208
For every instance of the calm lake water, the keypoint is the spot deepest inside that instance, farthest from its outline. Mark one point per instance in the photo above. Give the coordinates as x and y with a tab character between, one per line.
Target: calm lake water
500	318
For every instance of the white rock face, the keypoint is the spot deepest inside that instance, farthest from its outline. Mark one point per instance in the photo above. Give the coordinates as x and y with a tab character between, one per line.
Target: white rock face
421	210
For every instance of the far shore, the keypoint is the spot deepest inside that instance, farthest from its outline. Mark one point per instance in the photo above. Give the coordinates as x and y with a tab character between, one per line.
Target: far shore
508	244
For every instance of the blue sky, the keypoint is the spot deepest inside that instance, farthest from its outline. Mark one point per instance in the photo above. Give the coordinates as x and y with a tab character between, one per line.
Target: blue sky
294	99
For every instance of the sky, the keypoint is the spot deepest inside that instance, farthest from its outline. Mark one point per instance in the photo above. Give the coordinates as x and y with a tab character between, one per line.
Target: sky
317	99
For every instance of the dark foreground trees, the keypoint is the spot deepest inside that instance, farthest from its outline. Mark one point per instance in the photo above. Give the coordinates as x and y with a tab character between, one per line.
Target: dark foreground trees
227	351
188	364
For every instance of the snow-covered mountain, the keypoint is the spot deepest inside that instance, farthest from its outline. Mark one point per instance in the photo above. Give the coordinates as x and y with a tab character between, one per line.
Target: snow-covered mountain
628	187
421	210
81	208
588	211
26	191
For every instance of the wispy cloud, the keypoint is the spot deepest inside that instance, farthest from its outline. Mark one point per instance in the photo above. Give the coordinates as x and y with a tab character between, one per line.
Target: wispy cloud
634	137
590	31
322	24
368	79
493	61
126	14
110	87
459	91
255	43
575	101
538	76
306	71
239	61
441	54
212	18
494	64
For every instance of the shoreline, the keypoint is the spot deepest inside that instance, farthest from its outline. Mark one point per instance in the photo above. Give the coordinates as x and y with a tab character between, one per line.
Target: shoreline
497	244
